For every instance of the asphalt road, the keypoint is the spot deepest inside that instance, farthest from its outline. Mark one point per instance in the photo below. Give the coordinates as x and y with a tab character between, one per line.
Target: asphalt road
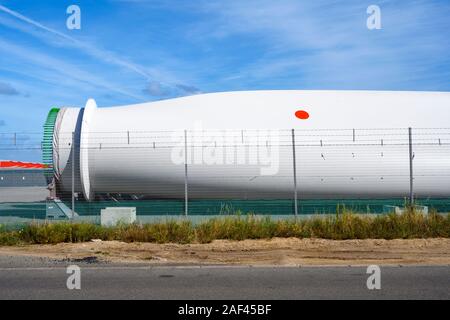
33	278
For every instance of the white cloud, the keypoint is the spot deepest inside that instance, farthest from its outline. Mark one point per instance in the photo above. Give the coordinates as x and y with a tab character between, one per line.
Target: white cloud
326	44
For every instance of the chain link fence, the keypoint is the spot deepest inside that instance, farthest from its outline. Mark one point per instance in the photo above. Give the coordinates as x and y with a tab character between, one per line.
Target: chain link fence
222	172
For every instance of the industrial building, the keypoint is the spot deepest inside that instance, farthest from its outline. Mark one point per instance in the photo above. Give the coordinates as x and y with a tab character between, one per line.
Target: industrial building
21	174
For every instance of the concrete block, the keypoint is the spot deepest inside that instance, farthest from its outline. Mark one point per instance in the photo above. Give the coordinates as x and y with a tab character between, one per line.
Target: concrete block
401	210
115	215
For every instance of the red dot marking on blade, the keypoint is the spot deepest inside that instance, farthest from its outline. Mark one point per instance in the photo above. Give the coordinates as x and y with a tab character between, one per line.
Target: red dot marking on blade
302	114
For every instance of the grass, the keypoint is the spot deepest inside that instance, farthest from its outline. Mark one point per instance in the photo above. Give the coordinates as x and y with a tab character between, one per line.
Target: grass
345	225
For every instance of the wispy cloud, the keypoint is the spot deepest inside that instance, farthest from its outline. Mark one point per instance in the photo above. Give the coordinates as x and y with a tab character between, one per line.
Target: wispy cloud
156	89
150	74
101	54
62	68
325	44
7	89
179	48
188	89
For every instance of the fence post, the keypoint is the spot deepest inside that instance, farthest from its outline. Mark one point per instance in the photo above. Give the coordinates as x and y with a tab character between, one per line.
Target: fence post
185	175
295	173
411	175
73	175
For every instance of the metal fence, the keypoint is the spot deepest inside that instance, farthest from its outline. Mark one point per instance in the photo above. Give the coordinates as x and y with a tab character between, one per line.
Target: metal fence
216	172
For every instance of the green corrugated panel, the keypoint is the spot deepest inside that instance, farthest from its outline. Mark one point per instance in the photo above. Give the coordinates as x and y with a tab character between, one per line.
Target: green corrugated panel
47	142
260	207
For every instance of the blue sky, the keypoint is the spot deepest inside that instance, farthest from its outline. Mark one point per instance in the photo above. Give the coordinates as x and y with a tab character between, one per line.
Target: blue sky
131	51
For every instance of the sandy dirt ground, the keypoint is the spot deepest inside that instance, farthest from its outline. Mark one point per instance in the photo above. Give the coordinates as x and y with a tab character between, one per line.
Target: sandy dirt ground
278	251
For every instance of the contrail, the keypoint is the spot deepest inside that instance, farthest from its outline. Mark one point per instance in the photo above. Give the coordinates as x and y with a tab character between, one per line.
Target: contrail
100	54
103	55
62	68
